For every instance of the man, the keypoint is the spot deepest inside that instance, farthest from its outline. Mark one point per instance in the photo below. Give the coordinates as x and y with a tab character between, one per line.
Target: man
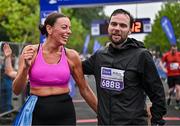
124	71
172	60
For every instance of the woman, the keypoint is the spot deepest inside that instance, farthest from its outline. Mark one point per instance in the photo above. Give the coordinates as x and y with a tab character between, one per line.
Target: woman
49	66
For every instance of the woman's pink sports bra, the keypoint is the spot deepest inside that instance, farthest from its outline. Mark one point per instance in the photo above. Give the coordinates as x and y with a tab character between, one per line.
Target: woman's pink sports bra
47	75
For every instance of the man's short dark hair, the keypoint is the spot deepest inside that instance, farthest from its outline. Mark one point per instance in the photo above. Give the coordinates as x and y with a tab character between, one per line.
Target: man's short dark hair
122	11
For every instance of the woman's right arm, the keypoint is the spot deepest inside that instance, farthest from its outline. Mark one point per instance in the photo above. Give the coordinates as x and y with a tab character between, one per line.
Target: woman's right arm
25	61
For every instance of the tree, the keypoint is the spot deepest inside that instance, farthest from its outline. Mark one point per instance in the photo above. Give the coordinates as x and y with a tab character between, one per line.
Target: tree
157	38
20	19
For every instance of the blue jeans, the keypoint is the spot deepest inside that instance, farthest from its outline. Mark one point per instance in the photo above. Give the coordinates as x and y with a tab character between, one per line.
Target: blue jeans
6	94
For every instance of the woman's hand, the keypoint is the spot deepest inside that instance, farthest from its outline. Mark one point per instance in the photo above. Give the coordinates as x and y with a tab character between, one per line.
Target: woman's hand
27	55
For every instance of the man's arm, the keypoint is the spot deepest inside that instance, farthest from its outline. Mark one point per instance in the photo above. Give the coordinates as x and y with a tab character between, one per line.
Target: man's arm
88	65
153	87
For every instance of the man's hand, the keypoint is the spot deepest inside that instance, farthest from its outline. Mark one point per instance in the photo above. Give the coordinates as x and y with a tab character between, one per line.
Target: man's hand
158	122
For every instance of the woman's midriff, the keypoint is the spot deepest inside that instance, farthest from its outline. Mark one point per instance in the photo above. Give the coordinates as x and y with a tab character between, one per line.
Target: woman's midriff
47	91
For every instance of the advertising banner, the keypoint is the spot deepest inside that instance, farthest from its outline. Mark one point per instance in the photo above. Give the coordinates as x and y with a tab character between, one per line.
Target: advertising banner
168	29
92	2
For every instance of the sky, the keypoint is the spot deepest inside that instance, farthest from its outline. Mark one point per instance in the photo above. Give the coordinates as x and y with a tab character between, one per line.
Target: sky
142	10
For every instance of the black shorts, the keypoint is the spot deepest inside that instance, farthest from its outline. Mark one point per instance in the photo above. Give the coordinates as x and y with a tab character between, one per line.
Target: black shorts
173	80
54	110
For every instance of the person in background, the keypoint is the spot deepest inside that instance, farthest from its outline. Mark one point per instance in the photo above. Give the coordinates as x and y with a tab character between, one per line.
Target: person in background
9	70
172	61
8	74
49	66
159	65
125	73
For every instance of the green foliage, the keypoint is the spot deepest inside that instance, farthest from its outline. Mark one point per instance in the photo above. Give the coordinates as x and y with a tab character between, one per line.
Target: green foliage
157	38
78	35
20	19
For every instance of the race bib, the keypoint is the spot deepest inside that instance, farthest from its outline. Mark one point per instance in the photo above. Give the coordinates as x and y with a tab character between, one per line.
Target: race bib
174	66
112	79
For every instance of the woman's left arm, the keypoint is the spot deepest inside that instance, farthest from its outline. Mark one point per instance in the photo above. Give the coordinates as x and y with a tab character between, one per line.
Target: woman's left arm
78	75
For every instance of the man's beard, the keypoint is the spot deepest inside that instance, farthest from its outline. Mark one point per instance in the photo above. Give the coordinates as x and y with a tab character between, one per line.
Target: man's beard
116	42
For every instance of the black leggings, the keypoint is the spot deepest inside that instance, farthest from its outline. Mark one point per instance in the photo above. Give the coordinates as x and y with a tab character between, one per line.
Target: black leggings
54	110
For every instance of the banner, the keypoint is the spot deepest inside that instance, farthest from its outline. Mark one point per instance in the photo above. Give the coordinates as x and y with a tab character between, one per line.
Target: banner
72	87
168	29
96	46
86	42
92	2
